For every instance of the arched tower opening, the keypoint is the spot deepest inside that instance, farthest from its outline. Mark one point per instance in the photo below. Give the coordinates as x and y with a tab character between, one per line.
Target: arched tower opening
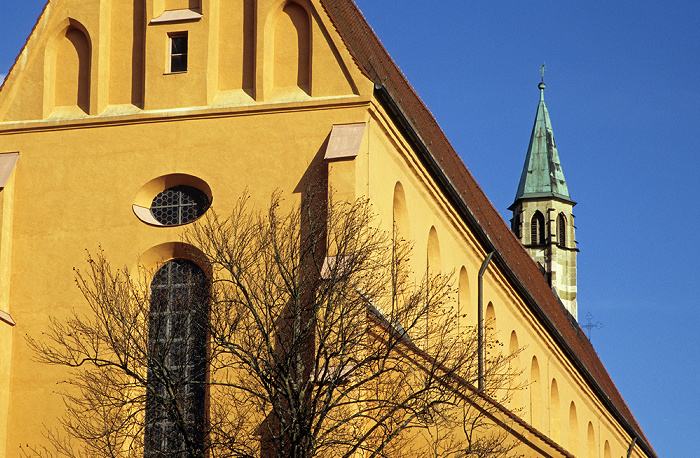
537	229
561	230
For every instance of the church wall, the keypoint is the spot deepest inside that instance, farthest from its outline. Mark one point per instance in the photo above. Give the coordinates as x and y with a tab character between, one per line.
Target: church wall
236	123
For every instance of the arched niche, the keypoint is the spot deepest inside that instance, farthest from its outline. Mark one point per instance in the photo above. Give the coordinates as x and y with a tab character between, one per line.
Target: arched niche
607	453
535	393
591	441
573	429
434	259
463	295
554	411
71	67
292	48
400	213
515	371
490	318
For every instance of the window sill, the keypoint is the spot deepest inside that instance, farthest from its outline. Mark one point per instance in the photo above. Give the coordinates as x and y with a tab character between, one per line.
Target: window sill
177	16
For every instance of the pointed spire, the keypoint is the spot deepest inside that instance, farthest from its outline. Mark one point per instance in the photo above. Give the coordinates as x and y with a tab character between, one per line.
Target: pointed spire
542	174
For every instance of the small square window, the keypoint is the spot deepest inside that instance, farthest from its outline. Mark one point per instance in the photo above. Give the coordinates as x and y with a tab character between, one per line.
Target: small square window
178	53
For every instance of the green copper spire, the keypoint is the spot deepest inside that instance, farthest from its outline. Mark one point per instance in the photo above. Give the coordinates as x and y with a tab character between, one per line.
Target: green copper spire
542	174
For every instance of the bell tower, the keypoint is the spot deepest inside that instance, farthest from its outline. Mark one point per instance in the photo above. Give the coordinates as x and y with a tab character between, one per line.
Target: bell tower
542	212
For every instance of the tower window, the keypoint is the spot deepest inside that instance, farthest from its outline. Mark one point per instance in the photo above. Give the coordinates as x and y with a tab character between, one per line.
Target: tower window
176	359
179	205
561	230
537	236
178	52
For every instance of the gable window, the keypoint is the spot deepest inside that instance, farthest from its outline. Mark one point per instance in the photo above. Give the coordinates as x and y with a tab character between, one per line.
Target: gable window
175	400
537	229
178	52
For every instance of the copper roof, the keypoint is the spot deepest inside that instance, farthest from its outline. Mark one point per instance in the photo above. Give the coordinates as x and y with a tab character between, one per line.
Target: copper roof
439	155
542	174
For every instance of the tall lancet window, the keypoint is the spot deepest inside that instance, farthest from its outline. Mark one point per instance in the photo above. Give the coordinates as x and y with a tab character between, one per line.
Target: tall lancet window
561	230
175	400
537	229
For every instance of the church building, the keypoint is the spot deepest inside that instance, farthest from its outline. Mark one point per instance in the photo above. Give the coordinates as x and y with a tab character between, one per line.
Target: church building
123	121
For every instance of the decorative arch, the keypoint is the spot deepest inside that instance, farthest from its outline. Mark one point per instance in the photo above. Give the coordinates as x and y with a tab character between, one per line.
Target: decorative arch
69	66
400	213
573	429
155	257
535	393
554	411
592	452
537	229
561	230
434	259
292	47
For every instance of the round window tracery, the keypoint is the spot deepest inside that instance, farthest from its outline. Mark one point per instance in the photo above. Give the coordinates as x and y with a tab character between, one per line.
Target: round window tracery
179	205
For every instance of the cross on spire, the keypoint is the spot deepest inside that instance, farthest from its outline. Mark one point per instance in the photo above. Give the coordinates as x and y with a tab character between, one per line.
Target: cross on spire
543	69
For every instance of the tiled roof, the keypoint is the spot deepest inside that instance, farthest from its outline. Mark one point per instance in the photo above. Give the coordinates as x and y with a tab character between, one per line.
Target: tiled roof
467	196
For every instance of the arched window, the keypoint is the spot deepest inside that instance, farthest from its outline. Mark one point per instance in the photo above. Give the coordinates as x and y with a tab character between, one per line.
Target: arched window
175	399
537	229
561	230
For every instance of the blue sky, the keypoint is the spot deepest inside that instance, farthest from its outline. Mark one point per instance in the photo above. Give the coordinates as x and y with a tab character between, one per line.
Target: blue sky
623	93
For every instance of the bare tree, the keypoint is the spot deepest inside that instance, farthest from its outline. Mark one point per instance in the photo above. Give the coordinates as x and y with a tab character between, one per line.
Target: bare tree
319	342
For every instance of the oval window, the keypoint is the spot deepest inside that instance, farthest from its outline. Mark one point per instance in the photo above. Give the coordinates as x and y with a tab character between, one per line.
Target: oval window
179	205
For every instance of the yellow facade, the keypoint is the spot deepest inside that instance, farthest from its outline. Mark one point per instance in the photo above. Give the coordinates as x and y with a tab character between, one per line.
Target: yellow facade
102	124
